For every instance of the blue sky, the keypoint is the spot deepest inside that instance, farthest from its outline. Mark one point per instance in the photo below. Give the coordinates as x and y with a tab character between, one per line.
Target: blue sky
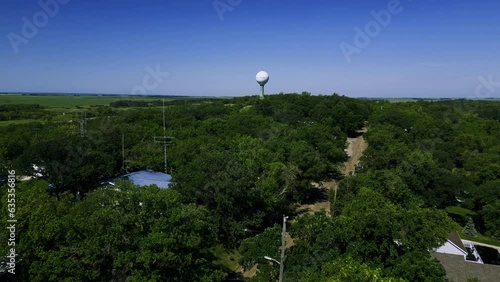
429	48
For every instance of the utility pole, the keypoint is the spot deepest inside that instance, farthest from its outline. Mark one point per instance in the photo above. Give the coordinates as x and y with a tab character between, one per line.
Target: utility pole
281	263
283	245
123	152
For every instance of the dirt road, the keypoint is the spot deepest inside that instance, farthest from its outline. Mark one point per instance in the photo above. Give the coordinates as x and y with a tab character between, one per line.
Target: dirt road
355	151
356	147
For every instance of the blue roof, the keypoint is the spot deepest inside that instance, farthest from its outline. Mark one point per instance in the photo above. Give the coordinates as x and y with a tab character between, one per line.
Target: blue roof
149	177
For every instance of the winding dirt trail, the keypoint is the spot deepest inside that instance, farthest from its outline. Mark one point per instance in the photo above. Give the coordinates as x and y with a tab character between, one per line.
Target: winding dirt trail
356	147
355	150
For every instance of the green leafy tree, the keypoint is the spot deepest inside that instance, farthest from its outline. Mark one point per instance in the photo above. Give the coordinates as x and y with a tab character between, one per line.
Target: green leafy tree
116	233
254	249
372	230
417	266
349	269
218	181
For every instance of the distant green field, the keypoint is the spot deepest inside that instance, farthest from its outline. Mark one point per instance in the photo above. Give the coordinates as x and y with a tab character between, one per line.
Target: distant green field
66	101
64	108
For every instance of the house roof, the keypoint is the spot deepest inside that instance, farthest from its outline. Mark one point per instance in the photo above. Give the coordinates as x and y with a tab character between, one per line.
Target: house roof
149	177
459	270
454	238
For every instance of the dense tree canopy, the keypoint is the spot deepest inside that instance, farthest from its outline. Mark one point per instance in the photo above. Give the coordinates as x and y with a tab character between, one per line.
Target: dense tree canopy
116	232
239	165
446	153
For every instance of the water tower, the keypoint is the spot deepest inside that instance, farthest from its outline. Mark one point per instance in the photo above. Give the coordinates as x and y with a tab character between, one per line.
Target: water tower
262	78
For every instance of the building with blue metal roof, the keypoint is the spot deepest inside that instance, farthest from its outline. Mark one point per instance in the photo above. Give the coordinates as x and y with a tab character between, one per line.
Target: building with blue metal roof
149	177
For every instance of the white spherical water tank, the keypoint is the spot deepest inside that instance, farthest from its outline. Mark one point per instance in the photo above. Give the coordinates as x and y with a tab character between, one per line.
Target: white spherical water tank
262	78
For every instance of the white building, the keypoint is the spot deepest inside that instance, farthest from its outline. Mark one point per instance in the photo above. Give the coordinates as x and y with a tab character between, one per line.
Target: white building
456	246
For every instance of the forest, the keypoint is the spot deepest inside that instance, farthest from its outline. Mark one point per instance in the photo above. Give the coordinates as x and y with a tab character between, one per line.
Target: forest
238	166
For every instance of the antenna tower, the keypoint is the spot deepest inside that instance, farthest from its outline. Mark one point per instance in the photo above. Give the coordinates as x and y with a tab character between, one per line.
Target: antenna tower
165	140
83	125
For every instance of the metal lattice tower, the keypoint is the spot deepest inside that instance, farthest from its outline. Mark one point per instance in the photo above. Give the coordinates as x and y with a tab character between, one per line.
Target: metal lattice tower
83	125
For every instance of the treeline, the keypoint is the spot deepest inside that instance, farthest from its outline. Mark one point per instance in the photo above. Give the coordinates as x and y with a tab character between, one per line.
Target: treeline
171	101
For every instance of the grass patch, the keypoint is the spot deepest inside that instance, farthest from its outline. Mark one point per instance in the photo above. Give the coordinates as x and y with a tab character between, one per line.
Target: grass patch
459	215
460	211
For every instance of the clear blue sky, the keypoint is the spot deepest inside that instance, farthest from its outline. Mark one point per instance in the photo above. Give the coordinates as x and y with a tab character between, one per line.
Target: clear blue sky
432	48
